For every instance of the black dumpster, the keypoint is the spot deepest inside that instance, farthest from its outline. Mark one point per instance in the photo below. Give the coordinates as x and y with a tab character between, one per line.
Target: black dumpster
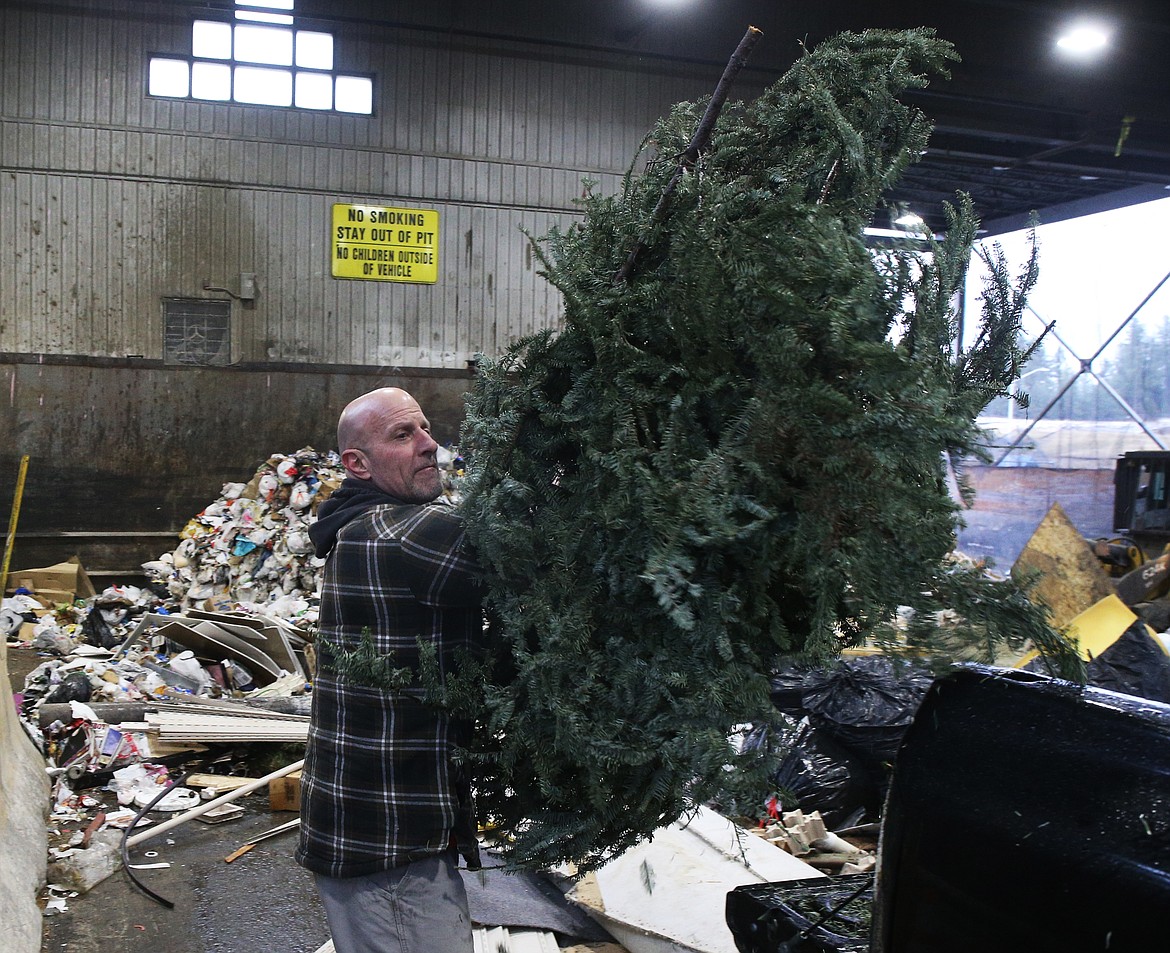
1025	815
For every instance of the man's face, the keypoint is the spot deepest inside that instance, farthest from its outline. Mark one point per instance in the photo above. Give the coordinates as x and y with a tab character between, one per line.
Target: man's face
394	449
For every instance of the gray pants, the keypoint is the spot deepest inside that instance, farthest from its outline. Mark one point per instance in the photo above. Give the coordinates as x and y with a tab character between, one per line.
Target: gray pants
420	907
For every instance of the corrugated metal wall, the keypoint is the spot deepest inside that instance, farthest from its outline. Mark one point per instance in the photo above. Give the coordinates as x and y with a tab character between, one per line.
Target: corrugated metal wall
111	200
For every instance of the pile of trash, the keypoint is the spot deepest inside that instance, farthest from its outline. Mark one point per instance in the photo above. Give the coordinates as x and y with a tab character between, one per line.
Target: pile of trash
248	553
251	547
230	613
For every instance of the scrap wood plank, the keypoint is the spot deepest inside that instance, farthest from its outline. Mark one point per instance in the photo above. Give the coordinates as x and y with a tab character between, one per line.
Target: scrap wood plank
223	782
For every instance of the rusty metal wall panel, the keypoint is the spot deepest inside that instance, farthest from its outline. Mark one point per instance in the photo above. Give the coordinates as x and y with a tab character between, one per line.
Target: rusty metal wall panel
92	257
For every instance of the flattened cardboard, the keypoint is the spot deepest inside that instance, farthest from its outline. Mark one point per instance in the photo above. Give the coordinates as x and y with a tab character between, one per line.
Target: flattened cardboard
68	577
269	637
209	643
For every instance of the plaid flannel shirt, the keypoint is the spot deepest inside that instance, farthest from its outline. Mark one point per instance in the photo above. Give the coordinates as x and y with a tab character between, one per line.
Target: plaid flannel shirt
379	787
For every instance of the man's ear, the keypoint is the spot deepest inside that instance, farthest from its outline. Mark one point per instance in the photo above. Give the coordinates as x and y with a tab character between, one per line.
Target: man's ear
355	463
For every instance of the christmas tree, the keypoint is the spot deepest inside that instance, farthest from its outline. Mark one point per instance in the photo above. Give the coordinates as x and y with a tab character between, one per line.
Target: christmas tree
736	450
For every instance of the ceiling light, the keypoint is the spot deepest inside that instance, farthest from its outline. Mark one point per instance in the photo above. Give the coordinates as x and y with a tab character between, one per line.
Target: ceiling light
909	220
1084	39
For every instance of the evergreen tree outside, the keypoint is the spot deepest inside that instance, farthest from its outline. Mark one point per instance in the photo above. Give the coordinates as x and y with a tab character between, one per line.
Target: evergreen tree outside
737	454
1137	369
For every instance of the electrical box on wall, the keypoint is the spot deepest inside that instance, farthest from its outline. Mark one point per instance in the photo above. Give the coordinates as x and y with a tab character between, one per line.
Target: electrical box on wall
247	286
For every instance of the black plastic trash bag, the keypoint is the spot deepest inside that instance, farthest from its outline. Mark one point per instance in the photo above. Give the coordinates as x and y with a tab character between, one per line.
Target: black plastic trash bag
96	631
817	774
787	686
866	704
858	710
1135	664
74	687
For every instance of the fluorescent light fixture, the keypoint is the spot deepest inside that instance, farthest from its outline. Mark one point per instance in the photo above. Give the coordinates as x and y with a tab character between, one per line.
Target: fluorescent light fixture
1083	39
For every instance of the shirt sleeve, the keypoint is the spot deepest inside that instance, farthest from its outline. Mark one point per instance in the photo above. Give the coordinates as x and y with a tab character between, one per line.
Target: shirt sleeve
438	562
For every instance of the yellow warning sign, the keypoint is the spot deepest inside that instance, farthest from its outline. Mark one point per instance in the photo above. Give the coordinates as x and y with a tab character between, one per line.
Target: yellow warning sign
385	244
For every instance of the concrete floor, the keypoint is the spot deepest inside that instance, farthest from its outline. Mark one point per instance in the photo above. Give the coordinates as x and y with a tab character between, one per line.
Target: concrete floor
261	901
258	903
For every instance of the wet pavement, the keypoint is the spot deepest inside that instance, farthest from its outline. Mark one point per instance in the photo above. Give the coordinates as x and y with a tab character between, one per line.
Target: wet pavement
258	903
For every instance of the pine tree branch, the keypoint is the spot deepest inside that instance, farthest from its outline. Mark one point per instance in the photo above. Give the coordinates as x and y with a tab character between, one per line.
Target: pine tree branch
690	155
725	461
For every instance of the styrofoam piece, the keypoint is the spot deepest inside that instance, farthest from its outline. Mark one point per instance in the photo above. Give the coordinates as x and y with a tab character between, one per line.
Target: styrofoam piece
668	894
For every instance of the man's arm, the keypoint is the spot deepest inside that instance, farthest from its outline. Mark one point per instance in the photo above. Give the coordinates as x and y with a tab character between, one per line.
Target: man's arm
438	563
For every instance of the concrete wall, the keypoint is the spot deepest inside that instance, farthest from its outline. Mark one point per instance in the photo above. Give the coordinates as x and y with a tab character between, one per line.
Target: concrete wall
123	453
24	803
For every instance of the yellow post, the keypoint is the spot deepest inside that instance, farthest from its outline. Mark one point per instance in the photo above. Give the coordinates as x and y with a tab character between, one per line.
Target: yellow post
11	541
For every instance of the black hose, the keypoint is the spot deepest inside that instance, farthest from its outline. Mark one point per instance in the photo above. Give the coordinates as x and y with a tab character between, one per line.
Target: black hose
126	837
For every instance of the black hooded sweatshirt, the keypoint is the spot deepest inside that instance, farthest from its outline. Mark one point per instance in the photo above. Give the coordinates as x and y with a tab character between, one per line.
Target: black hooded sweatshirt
350	499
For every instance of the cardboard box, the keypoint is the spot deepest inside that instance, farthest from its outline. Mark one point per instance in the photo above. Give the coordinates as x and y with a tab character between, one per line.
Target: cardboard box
64	581
284	794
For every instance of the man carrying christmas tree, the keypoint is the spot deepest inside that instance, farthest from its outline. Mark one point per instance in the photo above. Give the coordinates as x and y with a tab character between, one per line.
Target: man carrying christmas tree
384	808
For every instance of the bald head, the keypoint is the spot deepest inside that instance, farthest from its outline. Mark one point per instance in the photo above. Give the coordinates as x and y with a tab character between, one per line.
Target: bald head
385	439
362	413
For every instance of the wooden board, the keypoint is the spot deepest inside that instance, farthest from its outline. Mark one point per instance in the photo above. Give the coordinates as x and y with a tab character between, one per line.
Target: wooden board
1070	578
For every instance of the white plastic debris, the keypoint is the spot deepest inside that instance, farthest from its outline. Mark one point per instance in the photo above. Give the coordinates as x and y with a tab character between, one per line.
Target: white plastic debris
177	799
251	547
79	710
188	666
10	621
82	870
